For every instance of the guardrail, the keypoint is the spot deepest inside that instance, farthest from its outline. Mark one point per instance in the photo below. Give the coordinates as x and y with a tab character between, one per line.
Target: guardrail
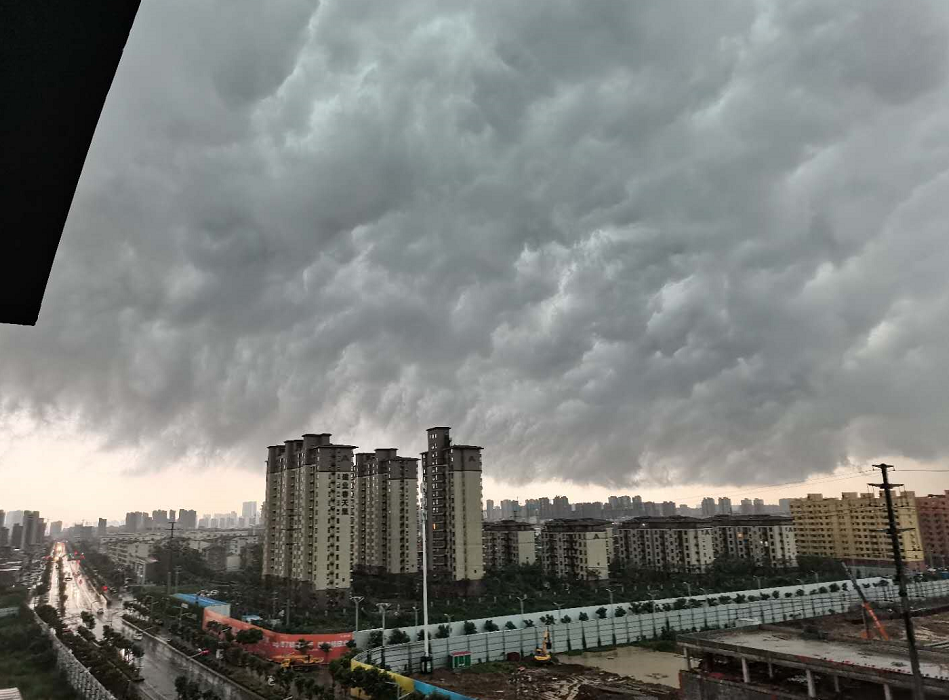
631	627
79	677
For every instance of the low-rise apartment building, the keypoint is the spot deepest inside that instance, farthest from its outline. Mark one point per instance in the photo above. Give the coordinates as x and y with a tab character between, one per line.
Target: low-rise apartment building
678	543
579	548
508	543
852	528
686	544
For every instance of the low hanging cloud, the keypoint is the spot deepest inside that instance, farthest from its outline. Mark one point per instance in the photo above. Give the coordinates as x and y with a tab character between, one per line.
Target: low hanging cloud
609	241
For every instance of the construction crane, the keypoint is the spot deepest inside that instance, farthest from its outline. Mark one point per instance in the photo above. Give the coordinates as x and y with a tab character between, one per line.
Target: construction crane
867	609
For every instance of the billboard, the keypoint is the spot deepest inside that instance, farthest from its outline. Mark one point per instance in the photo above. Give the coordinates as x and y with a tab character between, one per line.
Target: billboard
279	644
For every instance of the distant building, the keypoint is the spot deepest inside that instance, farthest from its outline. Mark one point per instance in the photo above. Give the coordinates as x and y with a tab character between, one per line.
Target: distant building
55	529
668	508
249	512
451	477
33	529
852	528
746	507
577	548
708	507
102	527
651	509
758	507
724	506
933	513
133	521
508	542
784	505
561	507
16	536
187	519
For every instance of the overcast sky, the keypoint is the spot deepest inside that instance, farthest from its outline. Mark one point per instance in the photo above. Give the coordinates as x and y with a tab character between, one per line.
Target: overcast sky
624	246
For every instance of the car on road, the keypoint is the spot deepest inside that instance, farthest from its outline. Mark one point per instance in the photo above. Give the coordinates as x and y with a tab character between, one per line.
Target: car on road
137	636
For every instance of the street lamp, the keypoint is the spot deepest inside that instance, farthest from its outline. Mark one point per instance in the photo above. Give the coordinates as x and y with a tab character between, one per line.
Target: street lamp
522	598
357	599
415	611
688	588
382	609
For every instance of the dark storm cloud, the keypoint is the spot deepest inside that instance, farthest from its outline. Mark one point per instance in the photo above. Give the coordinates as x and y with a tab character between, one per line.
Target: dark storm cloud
606	240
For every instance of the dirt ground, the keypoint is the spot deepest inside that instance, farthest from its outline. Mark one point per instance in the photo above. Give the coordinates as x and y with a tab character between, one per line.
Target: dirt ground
930	629
560	681
635	662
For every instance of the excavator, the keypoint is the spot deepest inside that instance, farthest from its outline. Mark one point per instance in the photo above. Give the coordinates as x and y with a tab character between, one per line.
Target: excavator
542	653
867	610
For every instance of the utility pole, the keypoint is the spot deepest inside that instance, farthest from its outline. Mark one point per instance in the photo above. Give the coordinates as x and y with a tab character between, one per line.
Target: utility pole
382	609
894	533
357	599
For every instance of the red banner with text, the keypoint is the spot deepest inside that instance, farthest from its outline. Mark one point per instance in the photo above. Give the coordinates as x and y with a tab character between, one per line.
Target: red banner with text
278	644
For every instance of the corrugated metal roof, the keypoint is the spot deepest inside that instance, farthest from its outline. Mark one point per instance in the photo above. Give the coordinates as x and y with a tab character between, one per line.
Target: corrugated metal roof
10	694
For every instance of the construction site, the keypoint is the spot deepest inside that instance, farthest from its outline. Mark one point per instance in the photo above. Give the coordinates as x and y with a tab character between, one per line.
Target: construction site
859	654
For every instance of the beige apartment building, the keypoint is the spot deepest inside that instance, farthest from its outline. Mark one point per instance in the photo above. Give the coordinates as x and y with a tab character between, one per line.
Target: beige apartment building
385	521
451	487
509	543
851	528
581	548
309	526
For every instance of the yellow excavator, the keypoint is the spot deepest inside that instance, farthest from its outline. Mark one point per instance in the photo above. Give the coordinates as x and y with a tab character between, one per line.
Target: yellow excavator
542	653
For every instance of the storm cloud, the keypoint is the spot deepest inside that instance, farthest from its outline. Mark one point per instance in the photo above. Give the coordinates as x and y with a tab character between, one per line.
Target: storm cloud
609	241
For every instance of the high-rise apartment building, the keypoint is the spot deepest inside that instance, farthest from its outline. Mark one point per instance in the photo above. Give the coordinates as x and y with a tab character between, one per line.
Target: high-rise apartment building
187	519
852	528
133	521
708	507
16	536
933	513
102	527
561	507
724	506
746	507
451	478
508	543
758	506
309	518
489	509
3	517
55	529
668	508
577	548
385	505
33	529
249	513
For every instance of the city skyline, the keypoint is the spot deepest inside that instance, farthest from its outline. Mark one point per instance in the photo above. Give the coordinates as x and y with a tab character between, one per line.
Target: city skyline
62	507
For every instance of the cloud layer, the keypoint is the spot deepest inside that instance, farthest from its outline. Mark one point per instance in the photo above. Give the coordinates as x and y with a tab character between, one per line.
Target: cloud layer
608	241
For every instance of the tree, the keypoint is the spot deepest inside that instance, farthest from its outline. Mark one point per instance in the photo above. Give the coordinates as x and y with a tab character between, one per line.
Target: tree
511	626
443	632
397	636
620	611
249	636
601	613
303	645
489	626
326	648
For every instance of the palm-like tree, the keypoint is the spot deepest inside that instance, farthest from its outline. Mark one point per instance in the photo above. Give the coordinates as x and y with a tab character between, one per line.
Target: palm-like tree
326	648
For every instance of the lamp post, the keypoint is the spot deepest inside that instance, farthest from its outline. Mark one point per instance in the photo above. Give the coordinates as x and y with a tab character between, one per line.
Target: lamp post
382	609
612	615
415	611
357	599
688	588
522	598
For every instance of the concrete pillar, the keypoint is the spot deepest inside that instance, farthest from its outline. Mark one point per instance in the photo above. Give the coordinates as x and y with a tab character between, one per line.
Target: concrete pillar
811	688
688	659
770	670
887	693
836	684
745	675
